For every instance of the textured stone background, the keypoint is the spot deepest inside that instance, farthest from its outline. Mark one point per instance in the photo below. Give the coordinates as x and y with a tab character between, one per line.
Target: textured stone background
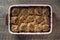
5	35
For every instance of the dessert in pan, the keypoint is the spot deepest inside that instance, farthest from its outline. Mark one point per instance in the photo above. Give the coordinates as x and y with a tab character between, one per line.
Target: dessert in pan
30	19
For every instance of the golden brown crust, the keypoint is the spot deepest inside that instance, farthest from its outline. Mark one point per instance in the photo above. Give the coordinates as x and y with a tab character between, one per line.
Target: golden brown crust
14	28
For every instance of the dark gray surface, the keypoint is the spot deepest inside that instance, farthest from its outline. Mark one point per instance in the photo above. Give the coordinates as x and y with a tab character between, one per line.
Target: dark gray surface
5	35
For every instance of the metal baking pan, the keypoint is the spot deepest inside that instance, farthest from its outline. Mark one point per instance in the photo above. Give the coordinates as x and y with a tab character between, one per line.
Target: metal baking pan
17	8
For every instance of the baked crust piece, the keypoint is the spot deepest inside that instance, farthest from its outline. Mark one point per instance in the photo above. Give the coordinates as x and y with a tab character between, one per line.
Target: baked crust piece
14	28
45	27
14	20
15	11
22	27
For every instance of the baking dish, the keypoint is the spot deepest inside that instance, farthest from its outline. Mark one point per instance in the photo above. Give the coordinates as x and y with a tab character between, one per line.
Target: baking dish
27	6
